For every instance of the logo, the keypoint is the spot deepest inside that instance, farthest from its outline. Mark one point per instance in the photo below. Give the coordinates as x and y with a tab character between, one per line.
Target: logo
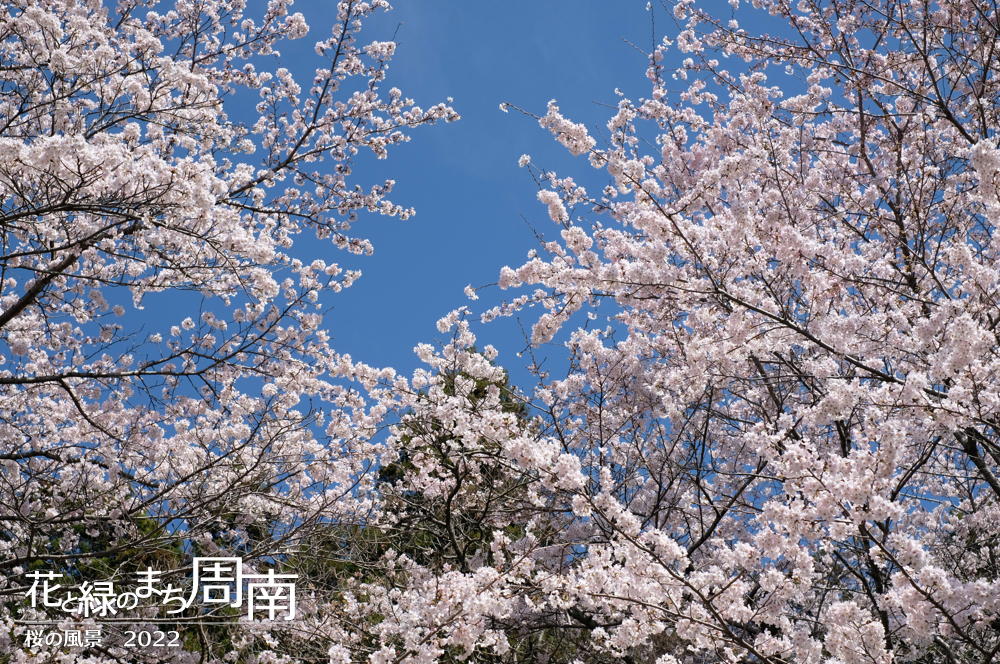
214	583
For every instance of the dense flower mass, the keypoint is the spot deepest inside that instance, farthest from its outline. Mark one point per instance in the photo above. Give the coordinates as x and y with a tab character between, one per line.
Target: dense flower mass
785	445
130	440
782	446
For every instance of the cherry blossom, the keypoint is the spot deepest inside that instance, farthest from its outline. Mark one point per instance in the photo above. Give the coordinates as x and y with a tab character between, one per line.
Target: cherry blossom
780	444
136	426
784	444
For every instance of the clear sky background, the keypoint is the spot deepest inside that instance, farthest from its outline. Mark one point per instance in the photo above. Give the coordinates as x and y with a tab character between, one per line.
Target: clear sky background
463	178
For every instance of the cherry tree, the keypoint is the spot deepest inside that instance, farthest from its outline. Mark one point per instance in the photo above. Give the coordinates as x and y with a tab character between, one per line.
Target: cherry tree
783	443
779	441
167	388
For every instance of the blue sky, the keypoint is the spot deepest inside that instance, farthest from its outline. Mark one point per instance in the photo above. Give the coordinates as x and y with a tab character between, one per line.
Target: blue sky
463	178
